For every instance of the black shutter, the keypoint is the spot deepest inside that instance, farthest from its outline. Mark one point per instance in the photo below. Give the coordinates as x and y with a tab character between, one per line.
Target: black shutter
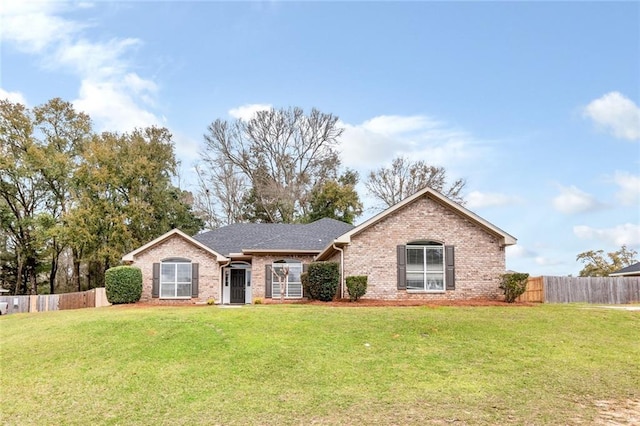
450	271
402	267
155	281
267	281
194	279
305	270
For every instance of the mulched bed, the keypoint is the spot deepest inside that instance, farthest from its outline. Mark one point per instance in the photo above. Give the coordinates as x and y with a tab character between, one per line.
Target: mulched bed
373	302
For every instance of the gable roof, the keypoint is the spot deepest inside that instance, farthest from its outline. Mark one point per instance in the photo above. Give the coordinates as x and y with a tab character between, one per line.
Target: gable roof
506	239
249	238
631	270
130	257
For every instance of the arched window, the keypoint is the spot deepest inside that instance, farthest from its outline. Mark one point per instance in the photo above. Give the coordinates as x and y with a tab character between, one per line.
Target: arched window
425	266
175	278
286	275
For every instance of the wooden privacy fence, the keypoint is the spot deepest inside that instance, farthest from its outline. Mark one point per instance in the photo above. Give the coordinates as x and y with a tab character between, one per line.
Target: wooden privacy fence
94	298
592	289
534	291
608	290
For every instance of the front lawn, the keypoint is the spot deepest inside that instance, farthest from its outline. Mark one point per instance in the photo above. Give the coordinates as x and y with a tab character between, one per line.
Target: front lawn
301	364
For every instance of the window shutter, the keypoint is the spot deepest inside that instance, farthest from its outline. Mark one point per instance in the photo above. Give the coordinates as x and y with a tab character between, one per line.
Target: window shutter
267	281
450	271
305	270
155	281
402	267
195	278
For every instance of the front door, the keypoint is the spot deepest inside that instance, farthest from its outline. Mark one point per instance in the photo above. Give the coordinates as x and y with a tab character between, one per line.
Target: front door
237	285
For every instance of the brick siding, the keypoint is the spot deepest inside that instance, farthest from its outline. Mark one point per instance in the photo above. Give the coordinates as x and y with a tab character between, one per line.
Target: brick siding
479	259
176	246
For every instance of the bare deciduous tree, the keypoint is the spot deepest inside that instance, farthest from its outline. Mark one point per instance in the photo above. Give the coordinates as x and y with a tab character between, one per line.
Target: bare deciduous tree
282	272
405	177
221	191
282	154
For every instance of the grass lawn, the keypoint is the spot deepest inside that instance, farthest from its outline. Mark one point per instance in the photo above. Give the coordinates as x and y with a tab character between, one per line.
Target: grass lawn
302	364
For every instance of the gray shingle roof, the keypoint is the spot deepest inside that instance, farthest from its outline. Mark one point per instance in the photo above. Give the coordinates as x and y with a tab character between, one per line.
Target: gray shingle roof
273	236
631	269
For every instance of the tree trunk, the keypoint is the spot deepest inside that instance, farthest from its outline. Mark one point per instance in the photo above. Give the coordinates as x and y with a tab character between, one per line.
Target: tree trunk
76	269
52	274
33	276
95	274
20	265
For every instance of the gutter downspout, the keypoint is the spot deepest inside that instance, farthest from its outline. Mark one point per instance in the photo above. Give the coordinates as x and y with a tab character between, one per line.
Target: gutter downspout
341	269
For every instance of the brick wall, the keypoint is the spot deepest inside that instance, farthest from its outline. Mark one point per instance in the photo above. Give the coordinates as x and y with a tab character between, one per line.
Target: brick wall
479	259
176	246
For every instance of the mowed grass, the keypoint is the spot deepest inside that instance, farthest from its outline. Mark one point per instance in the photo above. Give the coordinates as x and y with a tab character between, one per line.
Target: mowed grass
302	364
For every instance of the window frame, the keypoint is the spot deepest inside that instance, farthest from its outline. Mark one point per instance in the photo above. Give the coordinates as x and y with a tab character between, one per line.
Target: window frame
175	263
427	270
275	282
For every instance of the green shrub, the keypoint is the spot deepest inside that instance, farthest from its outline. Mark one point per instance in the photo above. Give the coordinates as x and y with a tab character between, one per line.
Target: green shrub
257	301
356	286
123	284
513	285
323	279
211	301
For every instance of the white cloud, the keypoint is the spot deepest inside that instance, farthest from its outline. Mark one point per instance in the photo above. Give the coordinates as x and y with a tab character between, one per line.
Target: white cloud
519	251
110	104
15	97
33	26
397	125
187	147
362	149
629	193
96	59
115	97
377	141
616	113
546	261
627	234
572	200
477	199
246	112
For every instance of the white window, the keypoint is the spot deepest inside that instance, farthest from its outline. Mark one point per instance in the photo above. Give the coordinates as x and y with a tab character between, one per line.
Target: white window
175	280
425	267
292	270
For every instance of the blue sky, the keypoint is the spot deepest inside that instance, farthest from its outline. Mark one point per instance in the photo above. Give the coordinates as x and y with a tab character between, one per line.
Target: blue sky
535	104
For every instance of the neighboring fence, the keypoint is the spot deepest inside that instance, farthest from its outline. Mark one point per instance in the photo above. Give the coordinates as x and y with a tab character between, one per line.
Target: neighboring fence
608	290
55	302
612	290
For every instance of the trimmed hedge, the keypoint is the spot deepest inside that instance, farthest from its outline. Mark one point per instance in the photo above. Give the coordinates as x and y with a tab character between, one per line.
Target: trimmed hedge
123	284
323	279
356	286
513	285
